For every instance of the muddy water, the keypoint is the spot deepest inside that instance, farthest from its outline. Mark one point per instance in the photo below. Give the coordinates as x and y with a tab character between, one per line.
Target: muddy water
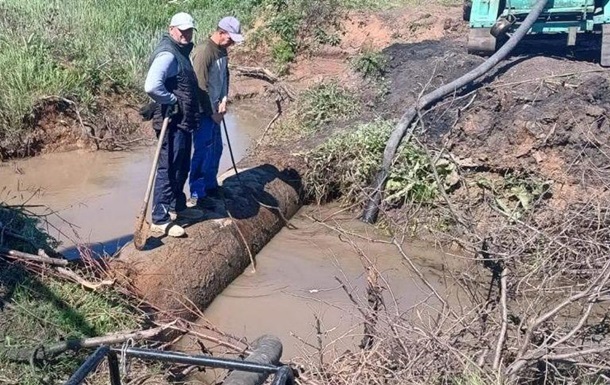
296	282
93	197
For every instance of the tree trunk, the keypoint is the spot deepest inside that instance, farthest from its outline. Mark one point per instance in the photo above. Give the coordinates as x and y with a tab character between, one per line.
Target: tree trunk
175	274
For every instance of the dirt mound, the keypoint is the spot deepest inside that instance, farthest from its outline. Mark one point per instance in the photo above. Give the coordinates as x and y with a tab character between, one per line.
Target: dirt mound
527	127
536	113
417	68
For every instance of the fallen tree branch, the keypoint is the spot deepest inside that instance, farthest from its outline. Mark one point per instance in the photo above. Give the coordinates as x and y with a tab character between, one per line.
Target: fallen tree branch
263	74
21	256
215	340
523	357
67	273
502	336
255	72
278	101
43	352
74	105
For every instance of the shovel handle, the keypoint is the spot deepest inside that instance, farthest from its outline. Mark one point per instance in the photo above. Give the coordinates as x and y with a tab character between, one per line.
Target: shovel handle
153	170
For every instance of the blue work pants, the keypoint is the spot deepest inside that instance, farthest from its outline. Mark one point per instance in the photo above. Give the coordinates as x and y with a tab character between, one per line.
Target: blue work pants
207	143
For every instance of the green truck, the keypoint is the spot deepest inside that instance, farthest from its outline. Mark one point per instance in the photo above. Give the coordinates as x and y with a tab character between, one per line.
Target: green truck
492	20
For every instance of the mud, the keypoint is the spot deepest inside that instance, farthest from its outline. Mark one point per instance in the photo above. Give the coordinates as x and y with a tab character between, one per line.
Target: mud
542	109
57	125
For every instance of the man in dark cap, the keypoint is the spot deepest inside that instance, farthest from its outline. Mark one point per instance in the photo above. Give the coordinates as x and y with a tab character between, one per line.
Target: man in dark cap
210	61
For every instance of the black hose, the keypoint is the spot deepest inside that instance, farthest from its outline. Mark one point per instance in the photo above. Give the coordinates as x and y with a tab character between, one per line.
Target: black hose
371	209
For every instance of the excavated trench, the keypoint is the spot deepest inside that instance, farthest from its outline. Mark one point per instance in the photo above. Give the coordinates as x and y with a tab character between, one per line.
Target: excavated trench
538	114
93	198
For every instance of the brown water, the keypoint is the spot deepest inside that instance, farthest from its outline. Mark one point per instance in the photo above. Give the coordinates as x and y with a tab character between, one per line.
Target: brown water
295	283
93	197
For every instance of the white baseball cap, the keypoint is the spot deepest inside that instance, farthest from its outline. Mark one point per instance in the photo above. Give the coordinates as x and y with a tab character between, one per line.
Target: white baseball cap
182	21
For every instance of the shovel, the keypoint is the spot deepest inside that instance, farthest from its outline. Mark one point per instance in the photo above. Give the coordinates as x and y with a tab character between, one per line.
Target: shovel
140	234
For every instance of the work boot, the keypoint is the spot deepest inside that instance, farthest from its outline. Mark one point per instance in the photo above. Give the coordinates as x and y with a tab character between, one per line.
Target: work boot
169	228
189	213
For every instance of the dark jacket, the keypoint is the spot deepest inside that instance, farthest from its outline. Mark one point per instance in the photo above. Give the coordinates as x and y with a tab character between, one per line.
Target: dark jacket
210	62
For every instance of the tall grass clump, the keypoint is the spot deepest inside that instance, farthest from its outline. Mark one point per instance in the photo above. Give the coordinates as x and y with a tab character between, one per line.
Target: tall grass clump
326	102
345	165
81	49
293	26
370	64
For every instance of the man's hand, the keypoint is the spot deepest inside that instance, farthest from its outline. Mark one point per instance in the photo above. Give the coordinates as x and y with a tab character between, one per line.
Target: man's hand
217	117
222	107
173	109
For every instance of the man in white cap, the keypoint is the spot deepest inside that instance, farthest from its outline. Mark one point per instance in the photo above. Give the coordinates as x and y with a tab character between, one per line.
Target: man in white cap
171	82
210	61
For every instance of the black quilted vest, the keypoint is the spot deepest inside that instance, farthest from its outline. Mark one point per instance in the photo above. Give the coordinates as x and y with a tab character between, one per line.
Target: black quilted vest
183	85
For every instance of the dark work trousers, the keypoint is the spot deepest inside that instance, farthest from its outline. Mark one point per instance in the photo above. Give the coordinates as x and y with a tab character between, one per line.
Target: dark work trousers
172	173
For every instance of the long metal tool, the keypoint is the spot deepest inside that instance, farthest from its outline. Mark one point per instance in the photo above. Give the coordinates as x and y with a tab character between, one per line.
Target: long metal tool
224	125
140	234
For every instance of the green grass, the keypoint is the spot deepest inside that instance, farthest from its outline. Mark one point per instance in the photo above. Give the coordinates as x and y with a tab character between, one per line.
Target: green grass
15	220
325	102
44	311
370	64
80	49
84	49
346	163
37	309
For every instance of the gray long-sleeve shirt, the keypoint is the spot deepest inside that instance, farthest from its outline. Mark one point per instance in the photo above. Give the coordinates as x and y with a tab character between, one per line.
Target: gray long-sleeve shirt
163	66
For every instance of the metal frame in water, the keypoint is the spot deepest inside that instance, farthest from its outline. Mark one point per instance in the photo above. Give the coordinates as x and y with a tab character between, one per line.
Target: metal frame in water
283	374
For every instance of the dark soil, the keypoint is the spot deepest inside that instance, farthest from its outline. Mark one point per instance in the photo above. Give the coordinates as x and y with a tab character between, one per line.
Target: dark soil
419	68
523	117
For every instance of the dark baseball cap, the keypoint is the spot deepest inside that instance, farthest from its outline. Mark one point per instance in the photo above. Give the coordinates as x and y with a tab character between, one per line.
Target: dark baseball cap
233	28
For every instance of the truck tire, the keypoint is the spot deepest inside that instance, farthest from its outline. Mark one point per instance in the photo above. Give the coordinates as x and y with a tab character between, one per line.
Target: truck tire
466	8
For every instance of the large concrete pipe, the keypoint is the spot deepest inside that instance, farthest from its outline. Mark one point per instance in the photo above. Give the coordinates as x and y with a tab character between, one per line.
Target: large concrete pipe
175	274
